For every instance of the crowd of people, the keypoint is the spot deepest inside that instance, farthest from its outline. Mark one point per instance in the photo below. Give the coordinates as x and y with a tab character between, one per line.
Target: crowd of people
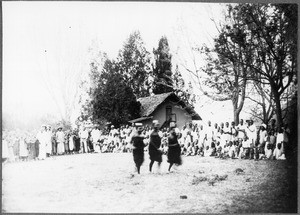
224	140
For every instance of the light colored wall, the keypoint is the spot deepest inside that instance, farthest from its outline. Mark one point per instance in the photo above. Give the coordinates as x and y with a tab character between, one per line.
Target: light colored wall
182	116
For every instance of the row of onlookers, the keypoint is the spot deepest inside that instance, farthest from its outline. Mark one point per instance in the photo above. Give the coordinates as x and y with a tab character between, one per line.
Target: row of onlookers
244	140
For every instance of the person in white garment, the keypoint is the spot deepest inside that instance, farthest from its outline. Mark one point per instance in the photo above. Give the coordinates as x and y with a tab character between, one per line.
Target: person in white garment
60	138
84	135
280	139
48	140
23	149
227	132
208	135
251	133
233	132
262	138
215	132
5	153
241	128
42	142
72	142
95	134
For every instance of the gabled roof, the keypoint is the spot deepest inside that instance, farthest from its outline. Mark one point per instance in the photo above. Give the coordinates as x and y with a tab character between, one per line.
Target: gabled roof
150	103
140	119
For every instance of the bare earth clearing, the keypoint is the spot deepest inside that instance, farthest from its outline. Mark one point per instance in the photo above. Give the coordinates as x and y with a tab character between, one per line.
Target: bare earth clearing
88	183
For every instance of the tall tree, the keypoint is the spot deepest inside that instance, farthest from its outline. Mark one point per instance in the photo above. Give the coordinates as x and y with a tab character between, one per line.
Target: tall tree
162	70
184	92
134	64
261	96
272	29
113	99
226	74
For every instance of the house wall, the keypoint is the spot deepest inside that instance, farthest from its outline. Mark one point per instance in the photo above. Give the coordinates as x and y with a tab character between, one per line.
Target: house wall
182	116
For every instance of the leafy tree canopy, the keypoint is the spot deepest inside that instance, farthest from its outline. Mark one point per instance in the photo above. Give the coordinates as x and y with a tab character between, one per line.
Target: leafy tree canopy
113	99
162	71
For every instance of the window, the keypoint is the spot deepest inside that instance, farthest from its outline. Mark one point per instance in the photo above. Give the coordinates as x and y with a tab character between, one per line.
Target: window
168	113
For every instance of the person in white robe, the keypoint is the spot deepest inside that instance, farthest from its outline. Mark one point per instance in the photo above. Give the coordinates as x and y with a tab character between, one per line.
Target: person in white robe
72	142
241	128
208	135
84	135
227	132
41	136
95	134
23	149
5	153
60	138
48	140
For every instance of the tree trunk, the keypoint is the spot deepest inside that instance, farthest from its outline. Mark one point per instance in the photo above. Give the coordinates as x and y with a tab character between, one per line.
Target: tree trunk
236	111
236	115
278	107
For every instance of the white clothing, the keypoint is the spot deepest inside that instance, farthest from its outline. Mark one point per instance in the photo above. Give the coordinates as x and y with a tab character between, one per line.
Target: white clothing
262	136
48	142
277	153
233	133
71	142
41	136
223	140
84	134
231	151
241	134
246	143
23	148
95	134
60	136
279	138
251	132
227	134
5	153
209	132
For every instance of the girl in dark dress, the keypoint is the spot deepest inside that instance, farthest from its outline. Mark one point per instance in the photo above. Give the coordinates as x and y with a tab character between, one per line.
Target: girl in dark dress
137	141
155	142
174	149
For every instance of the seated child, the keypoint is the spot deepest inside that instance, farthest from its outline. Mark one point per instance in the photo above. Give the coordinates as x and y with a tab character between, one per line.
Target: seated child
246	148
278	153
207	151
218	150
213	149
231	150
268	150
189	150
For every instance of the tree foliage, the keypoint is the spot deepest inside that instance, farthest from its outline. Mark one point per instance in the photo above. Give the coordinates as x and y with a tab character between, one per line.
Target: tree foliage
162	70
226	69
185	93
272	29
113	99
134	64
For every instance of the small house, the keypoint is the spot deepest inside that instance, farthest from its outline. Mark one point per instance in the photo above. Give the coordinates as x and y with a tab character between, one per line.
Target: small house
166	108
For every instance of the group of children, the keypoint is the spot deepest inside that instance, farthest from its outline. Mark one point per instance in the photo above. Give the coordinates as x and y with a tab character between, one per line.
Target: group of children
245	141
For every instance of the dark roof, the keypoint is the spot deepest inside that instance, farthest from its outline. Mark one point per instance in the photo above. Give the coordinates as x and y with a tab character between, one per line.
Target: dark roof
140	119
150	103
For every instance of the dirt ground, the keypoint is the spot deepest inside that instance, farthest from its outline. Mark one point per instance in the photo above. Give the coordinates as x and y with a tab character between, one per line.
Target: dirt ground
107	183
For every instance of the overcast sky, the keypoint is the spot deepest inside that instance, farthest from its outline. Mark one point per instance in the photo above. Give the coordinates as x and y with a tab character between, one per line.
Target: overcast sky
44	40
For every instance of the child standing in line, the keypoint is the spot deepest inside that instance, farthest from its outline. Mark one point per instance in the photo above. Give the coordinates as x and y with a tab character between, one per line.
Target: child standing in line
23	149
231	150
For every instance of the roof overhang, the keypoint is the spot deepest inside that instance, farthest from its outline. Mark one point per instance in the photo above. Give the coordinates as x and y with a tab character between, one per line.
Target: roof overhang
140	119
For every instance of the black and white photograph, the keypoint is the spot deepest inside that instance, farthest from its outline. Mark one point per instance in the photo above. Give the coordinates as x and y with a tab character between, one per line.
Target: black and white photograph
149	107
